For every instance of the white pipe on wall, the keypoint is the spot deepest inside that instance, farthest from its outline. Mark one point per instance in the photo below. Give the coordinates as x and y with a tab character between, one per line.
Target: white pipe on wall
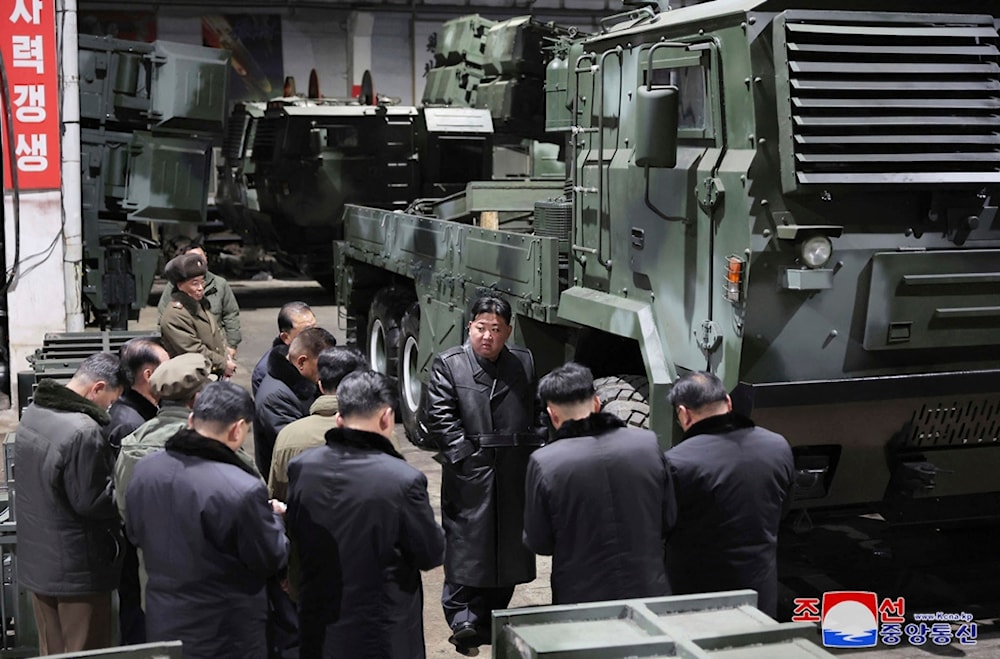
66	25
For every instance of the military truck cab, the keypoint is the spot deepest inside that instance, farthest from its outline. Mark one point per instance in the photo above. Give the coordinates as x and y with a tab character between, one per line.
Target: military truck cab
798	196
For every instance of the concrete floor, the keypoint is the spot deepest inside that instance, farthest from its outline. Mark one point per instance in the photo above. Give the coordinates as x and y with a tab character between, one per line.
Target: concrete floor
260	300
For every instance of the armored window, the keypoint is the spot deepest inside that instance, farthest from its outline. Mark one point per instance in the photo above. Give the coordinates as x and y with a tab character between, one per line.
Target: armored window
691	73
690	84
342	137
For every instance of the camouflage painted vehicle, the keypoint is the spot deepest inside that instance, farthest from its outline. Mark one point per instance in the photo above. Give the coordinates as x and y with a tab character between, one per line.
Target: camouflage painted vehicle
797	195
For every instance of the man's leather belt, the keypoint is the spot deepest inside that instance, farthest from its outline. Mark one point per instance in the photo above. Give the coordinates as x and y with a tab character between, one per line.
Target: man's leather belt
461	449
508	440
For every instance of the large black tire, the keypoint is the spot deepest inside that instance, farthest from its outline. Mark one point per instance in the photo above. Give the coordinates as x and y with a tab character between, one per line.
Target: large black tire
411	388
381	344
625	396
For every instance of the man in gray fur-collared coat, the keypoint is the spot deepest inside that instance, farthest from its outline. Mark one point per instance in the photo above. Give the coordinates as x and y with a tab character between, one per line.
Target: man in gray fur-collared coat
480	413
68	531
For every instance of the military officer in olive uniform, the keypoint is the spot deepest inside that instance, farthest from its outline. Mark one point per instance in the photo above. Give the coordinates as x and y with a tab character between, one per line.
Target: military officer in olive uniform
187	324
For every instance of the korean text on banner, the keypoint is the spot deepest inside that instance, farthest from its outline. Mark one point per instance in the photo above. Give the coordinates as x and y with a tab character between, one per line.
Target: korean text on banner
28	45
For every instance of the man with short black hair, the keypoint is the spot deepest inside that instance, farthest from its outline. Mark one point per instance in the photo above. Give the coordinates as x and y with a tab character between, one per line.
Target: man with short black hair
480	414
140	357
363	529
293	317
598	499
209	537
175	383
68	531
732	480
308	432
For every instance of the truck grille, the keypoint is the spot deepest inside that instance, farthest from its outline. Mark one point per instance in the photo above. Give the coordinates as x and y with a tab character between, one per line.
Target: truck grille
888	98
265	139
233	142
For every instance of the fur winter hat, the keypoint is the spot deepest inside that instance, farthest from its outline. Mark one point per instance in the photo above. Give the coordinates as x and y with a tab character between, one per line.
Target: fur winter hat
184	267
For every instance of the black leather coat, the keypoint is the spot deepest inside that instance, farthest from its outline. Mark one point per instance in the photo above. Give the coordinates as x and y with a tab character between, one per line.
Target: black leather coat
471	407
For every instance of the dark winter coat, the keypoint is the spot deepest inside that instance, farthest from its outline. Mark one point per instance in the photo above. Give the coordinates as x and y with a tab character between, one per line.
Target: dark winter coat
283	396
188	326
362	525
600	502
209	541
68	531
128	413
471	402
260	370
731	479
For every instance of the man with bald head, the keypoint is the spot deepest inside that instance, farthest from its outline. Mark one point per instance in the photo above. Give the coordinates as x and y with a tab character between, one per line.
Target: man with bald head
290	387
292	319
285	395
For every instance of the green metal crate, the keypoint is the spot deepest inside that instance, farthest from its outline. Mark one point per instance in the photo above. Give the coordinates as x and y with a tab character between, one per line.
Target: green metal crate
704	626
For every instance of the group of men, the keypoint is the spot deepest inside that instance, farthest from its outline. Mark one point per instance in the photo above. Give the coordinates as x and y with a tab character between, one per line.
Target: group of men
314	547
621	518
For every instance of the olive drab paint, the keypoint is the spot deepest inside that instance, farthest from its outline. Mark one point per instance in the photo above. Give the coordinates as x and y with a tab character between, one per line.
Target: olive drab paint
818	228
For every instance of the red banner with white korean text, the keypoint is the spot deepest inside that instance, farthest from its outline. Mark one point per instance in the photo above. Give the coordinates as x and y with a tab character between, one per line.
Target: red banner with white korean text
28	45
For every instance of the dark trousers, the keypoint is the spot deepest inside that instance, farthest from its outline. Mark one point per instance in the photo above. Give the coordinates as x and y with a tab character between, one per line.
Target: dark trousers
282	623
473	604
72	624
131	619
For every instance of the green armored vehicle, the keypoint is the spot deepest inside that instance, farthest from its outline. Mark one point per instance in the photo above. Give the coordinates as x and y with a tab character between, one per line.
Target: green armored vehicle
149	113
797	195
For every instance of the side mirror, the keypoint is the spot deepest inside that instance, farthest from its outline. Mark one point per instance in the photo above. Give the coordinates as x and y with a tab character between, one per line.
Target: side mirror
656	119
314	147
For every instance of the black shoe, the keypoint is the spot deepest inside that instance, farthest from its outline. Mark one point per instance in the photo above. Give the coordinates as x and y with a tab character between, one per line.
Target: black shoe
464	638
484	636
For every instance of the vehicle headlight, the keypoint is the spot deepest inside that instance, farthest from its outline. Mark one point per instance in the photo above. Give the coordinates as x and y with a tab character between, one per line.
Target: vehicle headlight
816	251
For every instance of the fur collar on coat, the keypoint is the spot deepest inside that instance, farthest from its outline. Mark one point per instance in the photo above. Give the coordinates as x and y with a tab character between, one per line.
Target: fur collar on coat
191	442
362	439
594	425
719	424
279	368
56	396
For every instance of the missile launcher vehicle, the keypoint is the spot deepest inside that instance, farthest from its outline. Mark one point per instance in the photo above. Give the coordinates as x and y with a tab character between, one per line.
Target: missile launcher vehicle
797	195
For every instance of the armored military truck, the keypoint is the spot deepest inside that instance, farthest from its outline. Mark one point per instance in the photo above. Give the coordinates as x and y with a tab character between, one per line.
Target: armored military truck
149	113
798	195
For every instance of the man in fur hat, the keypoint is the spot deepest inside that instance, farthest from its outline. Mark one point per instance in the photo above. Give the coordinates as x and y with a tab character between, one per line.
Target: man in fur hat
188	325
